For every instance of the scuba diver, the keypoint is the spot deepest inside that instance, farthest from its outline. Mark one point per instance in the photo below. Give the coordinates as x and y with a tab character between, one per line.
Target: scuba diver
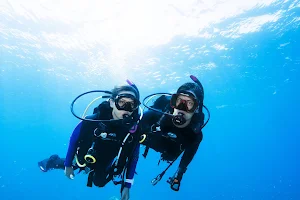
106	144
175	122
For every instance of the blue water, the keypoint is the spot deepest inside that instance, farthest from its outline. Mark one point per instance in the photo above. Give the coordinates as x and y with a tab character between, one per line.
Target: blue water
251	79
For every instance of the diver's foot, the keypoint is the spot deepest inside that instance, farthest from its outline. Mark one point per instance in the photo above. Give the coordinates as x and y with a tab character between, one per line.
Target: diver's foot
42	168
42	165
54	162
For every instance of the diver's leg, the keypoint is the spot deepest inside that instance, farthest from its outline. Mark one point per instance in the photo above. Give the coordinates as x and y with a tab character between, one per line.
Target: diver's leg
101	174
54	162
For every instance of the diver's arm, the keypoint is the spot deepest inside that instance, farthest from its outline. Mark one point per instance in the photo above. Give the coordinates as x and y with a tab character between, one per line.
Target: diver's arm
131	167
72	145
190	152
186	159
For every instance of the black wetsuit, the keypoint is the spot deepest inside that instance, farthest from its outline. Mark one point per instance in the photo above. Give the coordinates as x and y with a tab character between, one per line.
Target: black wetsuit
106	148
188	138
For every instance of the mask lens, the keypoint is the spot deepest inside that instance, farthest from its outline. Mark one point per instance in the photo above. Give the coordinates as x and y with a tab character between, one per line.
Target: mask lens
179	102
126	102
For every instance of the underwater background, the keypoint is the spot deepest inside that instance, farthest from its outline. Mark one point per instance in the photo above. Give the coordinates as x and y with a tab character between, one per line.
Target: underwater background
245	53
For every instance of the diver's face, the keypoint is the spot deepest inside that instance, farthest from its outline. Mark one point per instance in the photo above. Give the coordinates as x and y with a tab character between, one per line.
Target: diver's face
187	115
118	114
187	101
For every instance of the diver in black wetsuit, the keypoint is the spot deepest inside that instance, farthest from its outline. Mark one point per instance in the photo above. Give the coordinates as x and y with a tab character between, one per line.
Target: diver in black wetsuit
176	128
106	144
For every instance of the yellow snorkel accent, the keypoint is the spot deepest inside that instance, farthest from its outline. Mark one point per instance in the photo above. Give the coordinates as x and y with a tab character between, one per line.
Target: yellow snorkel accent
90	159
143	138
78	163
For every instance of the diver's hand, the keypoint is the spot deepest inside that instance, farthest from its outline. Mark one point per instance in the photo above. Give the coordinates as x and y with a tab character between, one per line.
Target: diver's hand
125	194
69	172
176	179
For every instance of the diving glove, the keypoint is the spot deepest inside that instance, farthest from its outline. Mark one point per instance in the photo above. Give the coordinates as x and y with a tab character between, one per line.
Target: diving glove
176	179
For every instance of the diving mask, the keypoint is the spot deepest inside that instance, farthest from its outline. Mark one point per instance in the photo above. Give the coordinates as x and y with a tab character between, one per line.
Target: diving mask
181	102
122	102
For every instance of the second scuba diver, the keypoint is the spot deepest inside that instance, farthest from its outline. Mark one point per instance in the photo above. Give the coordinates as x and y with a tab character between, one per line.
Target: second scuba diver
174	126
105	144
